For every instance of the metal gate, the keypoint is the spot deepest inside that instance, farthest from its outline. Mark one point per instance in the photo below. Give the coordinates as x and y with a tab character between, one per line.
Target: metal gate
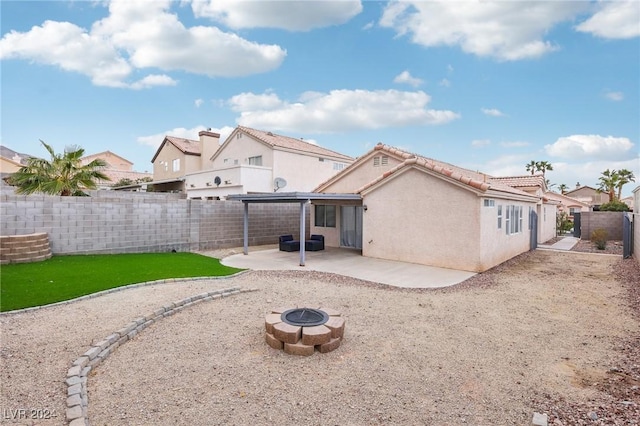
627	236
533	228
576	225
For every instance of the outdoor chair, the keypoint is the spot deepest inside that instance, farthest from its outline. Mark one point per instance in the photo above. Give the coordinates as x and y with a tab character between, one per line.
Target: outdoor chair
287	243
314	243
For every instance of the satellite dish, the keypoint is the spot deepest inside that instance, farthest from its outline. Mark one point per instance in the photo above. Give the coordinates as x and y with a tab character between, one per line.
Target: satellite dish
217	180
279	183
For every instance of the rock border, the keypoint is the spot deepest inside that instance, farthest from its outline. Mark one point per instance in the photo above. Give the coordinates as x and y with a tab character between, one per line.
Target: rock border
121	288
76	380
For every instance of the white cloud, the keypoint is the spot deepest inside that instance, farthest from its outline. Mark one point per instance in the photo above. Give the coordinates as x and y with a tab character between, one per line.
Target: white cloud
287	15
614	20
514	144
479	143
181	132
445	83
339	110
492	112
614	96
198	103
592	147
406	78
250	101
503	30
139	35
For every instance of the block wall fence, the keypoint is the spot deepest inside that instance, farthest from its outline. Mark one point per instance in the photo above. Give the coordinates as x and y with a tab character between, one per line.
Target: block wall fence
134	222
610	221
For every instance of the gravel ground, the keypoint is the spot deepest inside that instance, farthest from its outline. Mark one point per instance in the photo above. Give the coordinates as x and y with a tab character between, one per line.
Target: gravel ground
547	331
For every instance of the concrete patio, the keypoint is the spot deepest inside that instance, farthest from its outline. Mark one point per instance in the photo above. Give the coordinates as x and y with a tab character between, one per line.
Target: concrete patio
351	263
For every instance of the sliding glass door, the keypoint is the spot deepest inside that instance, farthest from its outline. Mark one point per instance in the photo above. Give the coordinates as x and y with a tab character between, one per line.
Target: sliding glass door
351	226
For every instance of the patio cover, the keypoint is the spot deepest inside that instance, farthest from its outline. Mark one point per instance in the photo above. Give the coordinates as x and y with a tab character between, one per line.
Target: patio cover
303	198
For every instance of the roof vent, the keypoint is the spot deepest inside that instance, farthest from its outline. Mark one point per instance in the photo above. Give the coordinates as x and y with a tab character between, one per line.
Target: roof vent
269	133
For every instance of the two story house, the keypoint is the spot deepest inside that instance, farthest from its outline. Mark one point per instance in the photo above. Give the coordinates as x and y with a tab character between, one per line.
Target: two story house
256	161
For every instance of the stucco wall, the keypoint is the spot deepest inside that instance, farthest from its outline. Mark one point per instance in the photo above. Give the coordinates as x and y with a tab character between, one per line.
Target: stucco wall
610	221
303	173
188	163
116	222
240	149
361	175
546	222
418	218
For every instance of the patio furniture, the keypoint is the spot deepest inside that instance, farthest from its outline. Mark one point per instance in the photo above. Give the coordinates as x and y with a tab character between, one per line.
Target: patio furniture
287	243
314	243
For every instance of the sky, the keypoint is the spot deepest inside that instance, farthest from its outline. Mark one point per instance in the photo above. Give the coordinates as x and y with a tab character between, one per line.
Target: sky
488	86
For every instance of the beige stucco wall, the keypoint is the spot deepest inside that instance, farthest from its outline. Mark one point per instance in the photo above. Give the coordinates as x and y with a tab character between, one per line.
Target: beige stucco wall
361	175
418	218
163	164
239	150
8	166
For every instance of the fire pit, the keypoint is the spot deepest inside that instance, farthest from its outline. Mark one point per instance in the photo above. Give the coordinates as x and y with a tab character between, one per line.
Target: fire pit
302	331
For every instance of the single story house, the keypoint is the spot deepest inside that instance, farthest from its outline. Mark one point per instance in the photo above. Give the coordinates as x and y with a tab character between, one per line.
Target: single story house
420	210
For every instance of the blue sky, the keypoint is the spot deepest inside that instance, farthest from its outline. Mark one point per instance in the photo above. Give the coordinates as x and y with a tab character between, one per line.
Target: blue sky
485	85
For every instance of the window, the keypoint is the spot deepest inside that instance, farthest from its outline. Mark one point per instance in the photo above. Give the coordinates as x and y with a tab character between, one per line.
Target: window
321	160
176	165
380	160
338	166
573	210
500	216
513	220
325	216
489	203
255	161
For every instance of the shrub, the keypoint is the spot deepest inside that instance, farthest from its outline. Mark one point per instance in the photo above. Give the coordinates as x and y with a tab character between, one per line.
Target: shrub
563	223
614	206
599	238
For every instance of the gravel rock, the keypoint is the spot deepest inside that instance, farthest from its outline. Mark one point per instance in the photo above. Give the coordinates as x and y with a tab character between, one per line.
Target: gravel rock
492	350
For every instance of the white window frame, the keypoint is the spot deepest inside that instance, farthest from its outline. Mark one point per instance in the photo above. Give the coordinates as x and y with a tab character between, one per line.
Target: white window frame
255	160
499	216
175	165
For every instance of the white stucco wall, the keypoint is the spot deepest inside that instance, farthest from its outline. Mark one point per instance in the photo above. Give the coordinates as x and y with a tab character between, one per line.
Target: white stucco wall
418	218
303	172
497	245
239	150
234	180
546	222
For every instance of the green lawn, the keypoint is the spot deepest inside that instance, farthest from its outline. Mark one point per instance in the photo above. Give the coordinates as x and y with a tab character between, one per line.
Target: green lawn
66	277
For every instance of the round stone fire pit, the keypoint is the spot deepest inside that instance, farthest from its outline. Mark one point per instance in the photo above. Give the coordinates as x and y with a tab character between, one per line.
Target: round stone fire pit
302	331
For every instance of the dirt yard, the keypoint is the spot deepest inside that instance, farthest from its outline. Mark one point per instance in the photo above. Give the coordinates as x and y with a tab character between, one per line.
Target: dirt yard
547	332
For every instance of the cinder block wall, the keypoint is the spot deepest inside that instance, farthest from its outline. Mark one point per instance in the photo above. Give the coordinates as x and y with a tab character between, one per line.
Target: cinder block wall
610	221
636	236
119	222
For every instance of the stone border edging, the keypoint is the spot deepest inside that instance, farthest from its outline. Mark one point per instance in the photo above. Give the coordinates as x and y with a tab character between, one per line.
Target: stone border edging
124	287
76	380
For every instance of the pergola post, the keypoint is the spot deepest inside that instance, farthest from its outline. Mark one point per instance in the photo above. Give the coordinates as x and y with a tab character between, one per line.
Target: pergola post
302	230
246	228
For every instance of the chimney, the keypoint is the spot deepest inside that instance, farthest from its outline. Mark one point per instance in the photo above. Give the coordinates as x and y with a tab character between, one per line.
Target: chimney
209	144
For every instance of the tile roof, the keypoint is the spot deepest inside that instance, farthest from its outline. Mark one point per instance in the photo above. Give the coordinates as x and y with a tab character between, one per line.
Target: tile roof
187	146
525	181
563	198
88	158
287	142
476	180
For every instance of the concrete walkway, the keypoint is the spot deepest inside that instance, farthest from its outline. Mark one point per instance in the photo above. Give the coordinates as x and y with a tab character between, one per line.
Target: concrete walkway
351	263
565	244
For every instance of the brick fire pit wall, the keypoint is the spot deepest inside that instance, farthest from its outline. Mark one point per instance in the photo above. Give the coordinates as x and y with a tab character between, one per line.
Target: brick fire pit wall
304	340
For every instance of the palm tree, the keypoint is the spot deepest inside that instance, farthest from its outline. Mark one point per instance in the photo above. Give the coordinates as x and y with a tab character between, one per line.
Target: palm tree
563	188
608	183
624	177
531	167
63	175
543	166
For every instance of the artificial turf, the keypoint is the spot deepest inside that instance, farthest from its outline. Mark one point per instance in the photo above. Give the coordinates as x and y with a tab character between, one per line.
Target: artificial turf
61	278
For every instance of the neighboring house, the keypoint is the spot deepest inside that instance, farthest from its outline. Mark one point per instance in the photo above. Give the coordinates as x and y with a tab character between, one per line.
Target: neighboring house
10	160
117	168
255	161
568	204
629	202
416	209
176	157
588	195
